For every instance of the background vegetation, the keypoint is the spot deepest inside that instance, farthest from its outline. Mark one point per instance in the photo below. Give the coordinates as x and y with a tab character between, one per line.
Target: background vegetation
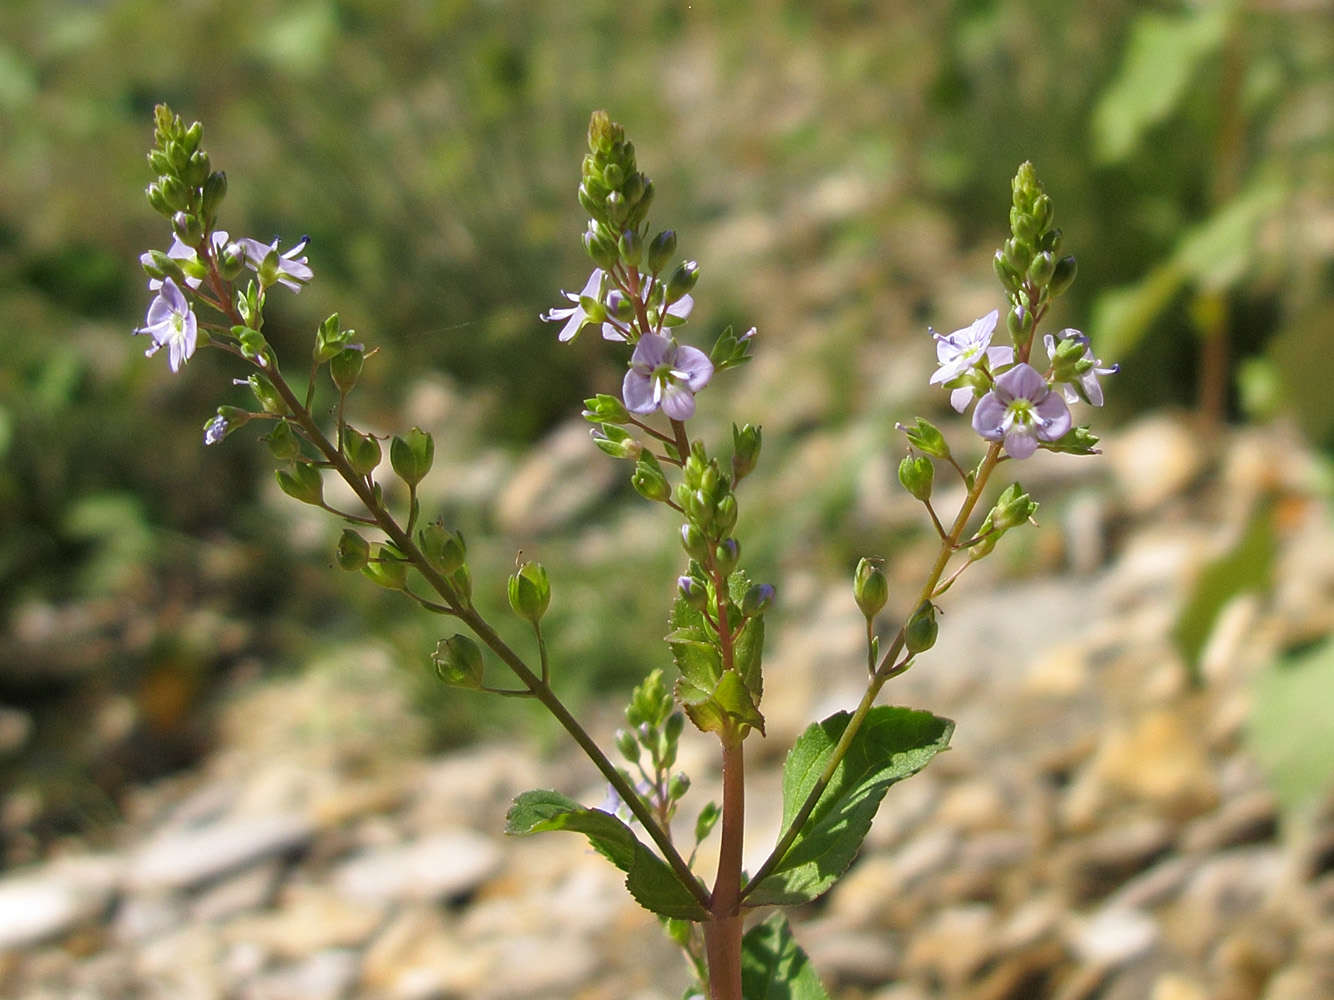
839	169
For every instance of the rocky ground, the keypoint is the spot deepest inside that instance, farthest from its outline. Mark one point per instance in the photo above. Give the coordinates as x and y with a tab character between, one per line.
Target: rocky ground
1100	828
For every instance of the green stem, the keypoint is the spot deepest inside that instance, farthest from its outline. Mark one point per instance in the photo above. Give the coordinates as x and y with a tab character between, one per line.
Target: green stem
469	616
883	672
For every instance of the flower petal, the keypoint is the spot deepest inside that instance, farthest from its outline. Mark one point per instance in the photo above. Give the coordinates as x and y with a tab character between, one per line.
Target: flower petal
637	391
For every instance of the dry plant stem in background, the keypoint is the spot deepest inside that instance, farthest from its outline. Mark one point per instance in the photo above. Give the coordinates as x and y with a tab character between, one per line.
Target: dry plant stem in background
636	298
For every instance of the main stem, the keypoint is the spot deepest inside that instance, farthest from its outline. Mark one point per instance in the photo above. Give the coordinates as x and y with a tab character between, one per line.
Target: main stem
722	932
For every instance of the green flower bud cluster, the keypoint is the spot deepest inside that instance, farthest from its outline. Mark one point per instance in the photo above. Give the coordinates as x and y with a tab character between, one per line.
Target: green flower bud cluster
188	191
617	198
1030	264
650	743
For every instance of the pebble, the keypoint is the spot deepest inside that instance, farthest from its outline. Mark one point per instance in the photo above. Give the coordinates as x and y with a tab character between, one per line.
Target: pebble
44	903
180	859
1114	936
444	865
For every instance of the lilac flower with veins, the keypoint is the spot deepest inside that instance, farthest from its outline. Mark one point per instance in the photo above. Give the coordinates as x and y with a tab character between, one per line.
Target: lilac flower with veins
290	269
574	316
1083	386
172	324
961	351
1021	410
664	374
186	255
615	332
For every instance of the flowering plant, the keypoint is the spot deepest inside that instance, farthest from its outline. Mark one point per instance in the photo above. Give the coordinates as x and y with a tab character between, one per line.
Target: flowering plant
841	767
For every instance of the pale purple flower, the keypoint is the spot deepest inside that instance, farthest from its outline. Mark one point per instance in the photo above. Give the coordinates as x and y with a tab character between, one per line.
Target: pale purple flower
172	324
1085	385
961	351
680	309
1022	410
574	316
215	430
662	373
289	269
187	256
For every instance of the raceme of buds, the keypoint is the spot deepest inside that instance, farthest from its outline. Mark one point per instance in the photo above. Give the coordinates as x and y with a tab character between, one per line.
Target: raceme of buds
920	633
917	474
870	588
302	482
353	552
458	662
530	591
412	456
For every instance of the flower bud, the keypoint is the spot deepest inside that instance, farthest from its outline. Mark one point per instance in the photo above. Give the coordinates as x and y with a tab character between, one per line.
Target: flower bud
255	347
725	514
231	261
1019	324
926	438
362	451
302	482
746	442
1013	508
758	600
345	368
159	266
630	248
649	480
1062	276
283	442
917	473
661	250
616	442
605	409
1009	277
677	785
726	555
1041	270
444	549
215	189
458	662
530	592
227	419
412	456
870	588
353	551
682	280
462	581
708	818
921	631
674	726
628	744
694	592
188	227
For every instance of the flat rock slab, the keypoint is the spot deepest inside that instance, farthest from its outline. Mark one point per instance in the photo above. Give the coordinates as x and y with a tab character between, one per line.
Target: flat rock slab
184	858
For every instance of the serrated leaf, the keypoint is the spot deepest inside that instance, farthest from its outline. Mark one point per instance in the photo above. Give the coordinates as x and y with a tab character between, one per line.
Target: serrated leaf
892	744
650	879
706	714
773	966
747	653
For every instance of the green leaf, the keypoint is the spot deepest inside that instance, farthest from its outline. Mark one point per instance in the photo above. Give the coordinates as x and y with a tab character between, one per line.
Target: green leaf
735	699
1221	250
892	744
650	879
1248	566
1122	316
1163	54
1290	730
773	966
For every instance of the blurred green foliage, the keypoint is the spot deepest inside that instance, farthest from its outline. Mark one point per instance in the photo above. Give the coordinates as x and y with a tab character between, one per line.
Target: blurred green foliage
839	166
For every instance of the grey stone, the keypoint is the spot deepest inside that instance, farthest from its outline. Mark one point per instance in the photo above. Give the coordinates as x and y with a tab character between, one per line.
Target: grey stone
179	859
